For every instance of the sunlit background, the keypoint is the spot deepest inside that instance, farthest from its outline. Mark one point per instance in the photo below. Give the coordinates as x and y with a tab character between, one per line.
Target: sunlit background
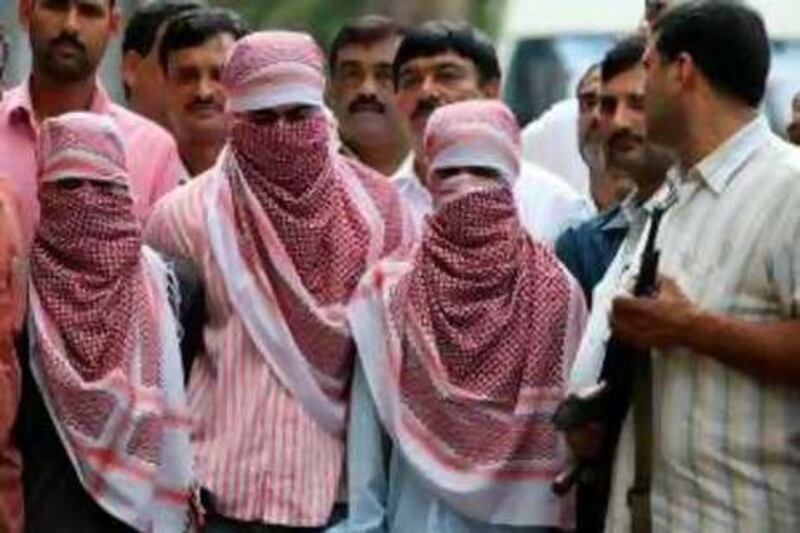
544	45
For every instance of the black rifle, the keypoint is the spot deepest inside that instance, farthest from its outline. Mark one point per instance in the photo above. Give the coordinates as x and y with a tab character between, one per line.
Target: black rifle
624	368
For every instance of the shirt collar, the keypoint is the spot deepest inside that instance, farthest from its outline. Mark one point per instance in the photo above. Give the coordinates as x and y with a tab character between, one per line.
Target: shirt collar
717	169
616	219
405	171
19	105
629	210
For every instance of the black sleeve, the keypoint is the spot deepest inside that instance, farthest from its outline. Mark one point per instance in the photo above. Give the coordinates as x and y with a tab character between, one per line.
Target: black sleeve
191	312
55	500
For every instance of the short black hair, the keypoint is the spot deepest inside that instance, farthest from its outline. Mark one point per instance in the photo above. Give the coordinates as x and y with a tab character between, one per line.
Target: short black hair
442	36
624	56
142	28
194	28
366	30
727	41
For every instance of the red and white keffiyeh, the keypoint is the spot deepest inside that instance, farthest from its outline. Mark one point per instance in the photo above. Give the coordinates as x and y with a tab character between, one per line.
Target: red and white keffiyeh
467	344
293	225
105	345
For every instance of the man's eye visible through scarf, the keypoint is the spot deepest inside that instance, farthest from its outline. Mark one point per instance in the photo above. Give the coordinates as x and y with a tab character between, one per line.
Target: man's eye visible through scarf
74	184
288	114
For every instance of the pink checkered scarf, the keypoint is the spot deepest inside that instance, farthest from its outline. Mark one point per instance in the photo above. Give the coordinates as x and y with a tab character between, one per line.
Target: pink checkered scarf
272	68
467	343
106	354
293	225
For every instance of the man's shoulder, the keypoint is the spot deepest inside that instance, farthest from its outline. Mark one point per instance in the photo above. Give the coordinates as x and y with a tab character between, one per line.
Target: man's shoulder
176	225
533	175
139	129
376	184
592	228
564	111
185	201
783	156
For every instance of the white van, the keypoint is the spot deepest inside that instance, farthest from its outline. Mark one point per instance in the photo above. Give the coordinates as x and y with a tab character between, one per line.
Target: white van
546	45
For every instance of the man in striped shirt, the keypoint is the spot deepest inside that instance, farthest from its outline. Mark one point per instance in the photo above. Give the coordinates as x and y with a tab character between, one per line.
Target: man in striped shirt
281	229
724	327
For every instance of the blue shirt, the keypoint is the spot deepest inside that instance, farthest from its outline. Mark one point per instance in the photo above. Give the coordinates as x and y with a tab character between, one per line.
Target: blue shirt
588	249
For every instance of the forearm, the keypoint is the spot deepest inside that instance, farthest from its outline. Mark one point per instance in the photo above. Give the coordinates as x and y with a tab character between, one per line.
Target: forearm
9	385
767	351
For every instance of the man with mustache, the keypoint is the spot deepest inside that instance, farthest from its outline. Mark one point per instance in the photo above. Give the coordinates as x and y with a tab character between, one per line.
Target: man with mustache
142	77
608	186
192	53
549	139
599	251
444	62
626	156
361	92
68	39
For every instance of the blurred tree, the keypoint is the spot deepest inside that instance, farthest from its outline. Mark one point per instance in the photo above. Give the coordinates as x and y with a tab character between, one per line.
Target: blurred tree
323	18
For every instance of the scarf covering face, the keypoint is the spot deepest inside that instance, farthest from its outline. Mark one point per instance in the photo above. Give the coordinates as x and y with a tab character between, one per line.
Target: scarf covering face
292	225
466	345
106	354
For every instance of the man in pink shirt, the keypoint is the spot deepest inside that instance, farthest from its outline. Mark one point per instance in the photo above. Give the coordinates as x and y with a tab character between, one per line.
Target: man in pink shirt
281	230
10	306
68	39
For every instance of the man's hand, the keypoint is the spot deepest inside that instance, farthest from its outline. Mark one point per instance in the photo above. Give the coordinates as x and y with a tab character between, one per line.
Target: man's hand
586	442
658	322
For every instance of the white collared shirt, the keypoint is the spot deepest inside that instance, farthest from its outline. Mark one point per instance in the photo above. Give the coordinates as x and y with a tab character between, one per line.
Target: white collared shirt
547	206
618	279
726	454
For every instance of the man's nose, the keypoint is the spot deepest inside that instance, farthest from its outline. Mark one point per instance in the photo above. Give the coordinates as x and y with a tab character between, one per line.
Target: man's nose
429	86
205	89
370	86
72	20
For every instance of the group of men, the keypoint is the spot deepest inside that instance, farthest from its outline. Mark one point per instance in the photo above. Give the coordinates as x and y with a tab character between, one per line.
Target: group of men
285	291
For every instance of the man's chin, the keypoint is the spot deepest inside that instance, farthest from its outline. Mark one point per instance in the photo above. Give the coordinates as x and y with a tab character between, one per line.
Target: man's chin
628	162
68	72
368	123
206	128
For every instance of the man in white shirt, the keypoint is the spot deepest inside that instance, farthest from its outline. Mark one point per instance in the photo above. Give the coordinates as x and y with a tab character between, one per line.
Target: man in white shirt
724	326
444	62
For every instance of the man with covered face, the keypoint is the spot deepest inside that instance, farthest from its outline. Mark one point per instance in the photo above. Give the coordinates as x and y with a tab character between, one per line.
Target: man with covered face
466	400
281	229
103	426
